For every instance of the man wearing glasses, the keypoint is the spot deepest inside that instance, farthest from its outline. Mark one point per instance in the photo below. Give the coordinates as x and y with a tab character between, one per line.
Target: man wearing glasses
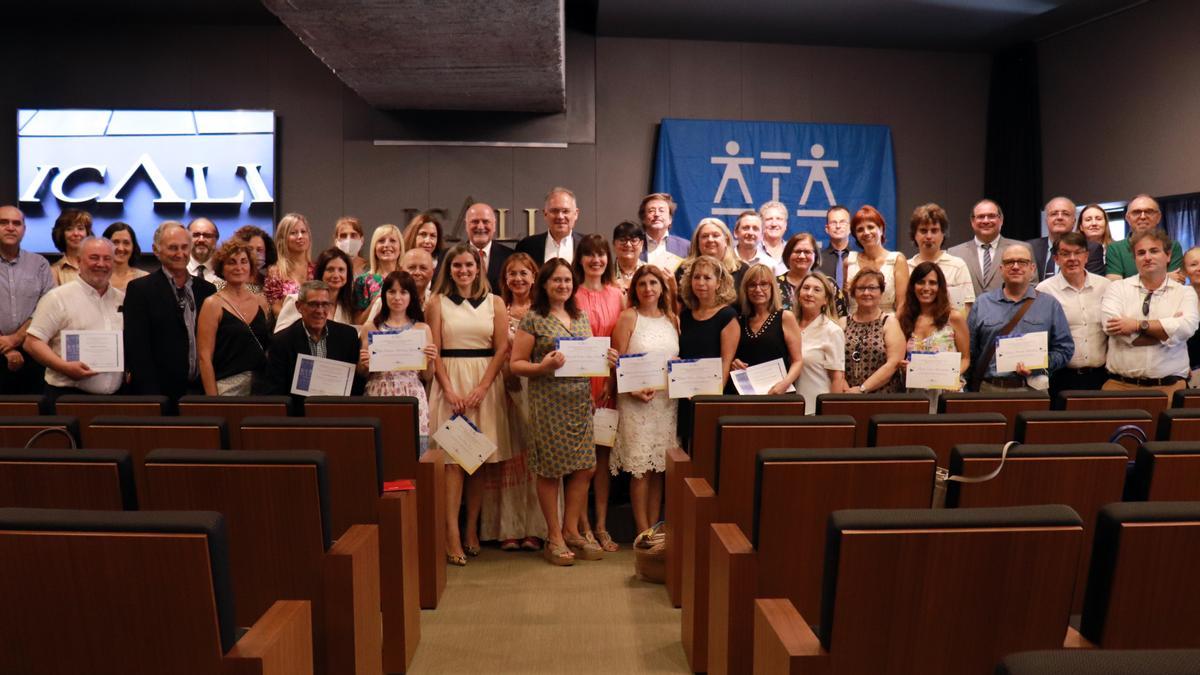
315	335
1142	214
1149	318
982	252
1060	219
1080	293
994	315
204	242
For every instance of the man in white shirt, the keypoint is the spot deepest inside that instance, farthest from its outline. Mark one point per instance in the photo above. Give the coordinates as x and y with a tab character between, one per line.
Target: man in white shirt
87	303
982	252
774	219
204	234
559	240
1080	293
747	233
1149	318
657	212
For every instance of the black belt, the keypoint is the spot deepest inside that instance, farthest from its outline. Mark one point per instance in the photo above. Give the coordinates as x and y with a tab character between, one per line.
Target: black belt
1086	370
467	353
1011	382
1147	381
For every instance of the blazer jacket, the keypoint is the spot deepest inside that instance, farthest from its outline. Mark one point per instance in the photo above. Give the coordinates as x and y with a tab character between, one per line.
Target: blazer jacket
495	263
970	255
341	344
535	246
156	335
1094	264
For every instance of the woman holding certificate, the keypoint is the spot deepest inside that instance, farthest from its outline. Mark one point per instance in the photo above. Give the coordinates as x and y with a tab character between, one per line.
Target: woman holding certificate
560	411
930	325
874	342
647	428
231	330
824	343
868	228
768	333
602	300
469	327
293	264
400	313
708	326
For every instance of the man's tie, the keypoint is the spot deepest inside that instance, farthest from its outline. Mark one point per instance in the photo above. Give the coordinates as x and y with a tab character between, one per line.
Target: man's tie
483	260
840	273
200	271
1049	261
987	265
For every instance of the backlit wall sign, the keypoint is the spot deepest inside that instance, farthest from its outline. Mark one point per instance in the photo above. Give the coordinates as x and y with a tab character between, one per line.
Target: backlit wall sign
145	166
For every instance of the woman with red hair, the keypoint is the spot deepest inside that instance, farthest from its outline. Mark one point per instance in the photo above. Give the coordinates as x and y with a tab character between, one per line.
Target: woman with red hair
868	229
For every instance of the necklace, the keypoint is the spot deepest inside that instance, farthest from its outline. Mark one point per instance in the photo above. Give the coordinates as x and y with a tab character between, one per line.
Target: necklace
754	335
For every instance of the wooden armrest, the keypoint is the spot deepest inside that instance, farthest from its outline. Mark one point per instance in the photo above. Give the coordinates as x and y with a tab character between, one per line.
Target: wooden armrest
699	509
279	643
431	526
353	624
398	563
783	642
679	466
1075	640
732	586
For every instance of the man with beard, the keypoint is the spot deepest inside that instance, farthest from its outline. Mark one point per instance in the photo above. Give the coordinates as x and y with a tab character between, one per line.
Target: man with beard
204	243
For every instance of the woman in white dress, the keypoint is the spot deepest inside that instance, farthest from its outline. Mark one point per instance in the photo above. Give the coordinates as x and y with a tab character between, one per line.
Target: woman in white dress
868	228
646	429
823	341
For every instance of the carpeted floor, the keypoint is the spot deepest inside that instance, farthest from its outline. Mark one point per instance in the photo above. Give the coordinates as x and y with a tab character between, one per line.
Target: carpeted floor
514	613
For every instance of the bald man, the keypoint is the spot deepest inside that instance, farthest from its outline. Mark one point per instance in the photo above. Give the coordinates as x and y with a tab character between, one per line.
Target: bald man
480	220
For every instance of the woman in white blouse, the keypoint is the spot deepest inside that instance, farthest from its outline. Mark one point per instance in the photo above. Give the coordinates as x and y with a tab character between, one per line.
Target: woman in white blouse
823	341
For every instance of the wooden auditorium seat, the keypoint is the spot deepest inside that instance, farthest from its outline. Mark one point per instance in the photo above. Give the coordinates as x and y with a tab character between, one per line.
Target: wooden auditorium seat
67	479
929	592
938	432
1102	662
354	459
85	407
1007	403
17	432
862	406
1143	591
1084	476
276	510
739	438
1186	398
1179	424
781	556
234	409
134	593
22	405
680	465
1166	471
1080	426
140	435
1152	401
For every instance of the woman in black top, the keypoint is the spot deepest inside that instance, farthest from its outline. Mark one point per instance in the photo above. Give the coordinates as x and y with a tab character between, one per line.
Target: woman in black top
708	326
767	332
231	330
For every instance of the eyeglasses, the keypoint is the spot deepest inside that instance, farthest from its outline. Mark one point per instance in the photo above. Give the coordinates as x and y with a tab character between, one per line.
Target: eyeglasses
760	284
1138	213
1016	263
319	305
872	289
629	241
1073	253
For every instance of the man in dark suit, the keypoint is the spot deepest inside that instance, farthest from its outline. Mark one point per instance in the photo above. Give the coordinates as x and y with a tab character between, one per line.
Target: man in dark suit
981	253
559	240
1060	219
833	256
481	232
161	311
315	335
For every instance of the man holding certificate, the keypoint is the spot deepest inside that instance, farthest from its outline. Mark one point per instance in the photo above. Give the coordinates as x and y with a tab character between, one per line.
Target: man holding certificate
314	356
76	329
1018	336
1149	318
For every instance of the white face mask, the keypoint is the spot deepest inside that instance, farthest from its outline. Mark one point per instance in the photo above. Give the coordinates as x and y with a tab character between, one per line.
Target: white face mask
350	246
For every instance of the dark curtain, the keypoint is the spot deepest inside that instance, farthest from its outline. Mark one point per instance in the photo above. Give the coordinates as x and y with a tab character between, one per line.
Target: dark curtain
1181	216
1013	158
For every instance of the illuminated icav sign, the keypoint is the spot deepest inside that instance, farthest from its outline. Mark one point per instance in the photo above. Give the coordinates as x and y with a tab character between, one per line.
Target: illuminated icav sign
143	167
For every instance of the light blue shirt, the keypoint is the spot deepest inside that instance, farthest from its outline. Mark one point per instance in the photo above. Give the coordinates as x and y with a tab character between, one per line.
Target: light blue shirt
993	310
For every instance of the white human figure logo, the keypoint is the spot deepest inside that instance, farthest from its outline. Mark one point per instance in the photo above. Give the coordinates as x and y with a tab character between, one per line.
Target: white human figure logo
775	169
816	174
733	172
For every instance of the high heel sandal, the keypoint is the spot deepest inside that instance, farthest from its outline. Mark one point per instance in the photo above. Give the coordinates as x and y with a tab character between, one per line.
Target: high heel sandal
584	547
558	555
606	541
472	551
456	559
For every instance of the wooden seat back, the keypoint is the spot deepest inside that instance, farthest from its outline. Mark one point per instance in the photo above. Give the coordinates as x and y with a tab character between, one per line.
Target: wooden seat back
1007	403
1143	592
140	435
85	408
1179	424
1152	401
234	409
1102	662
17	432
67	479
862	406
399	419
22	405
1084	476
1186	398
939	432
708	409
1166	471
1054	427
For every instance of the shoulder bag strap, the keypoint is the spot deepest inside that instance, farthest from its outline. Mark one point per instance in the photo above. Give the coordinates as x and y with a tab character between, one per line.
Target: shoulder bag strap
980	368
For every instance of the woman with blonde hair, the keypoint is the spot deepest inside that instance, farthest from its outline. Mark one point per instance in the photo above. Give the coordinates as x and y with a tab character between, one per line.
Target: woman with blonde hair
713	239
387	245
1093	223
768	332
293	263
708	326
822	339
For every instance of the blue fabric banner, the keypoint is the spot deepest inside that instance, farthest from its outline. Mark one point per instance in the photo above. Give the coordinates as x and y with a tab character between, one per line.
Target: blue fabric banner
721	168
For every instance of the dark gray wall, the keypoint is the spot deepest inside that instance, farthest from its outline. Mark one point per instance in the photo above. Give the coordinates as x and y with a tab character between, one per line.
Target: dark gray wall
935	104
1121	105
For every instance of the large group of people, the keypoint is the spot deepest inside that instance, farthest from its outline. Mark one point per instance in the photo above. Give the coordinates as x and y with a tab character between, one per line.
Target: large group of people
232	317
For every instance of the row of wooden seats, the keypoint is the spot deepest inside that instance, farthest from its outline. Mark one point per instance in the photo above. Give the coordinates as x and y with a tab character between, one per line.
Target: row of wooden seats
1102	662
934	591
135	593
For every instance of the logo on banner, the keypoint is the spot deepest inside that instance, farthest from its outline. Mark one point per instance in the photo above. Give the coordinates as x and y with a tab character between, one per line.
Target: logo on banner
816	175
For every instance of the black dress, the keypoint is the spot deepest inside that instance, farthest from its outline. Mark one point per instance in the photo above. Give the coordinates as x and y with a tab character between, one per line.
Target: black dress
239	346
767	344
699	340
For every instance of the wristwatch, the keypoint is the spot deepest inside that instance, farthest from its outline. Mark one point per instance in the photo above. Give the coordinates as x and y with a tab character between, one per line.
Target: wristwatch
1143	326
